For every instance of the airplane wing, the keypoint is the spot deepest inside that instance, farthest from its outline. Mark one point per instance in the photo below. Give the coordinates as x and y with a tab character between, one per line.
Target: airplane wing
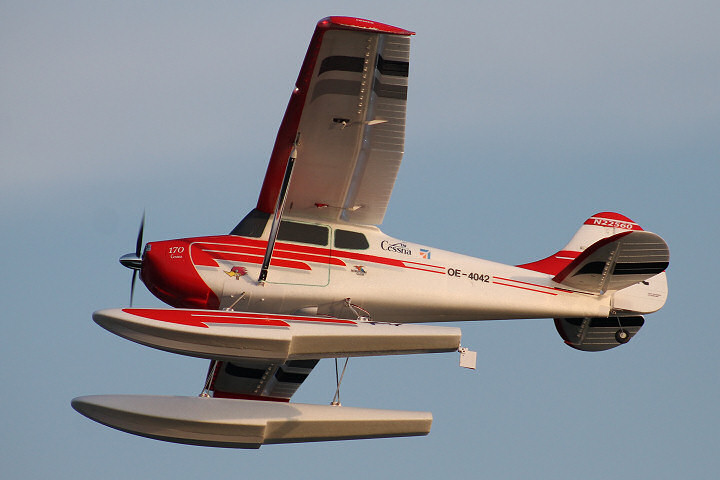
347	115
258	379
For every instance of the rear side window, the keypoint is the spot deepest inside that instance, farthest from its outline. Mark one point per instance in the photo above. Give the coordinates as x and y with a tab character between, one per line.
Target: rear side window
303	233
350	240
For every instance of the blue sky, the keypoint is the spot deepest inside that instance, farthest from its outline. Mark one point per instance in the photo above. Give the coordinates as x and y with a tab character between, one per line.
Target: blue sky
523	120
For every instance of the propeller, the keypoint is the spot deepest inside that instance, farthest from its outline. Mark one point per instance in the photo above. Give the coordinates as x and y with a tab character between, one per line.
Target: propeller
133	261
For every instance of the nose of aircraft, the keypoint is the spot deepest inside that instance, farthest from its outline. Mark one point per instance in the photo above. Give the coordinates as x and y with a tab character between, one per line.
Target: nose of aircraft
168	272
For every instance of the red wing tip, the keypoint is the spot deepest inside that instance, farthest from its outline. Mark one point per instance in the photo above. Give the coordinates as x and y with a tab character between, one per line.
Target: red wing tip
354	23
612	219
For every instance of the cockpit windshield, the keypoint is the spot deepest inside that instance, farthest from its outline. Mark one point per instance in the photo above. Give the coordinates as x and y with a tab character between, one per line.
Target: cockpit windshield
254	223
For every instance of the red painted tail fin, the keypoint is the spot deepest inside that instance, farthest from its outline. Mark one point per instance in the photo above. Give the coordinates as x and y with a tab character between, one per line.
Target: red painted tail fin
608	252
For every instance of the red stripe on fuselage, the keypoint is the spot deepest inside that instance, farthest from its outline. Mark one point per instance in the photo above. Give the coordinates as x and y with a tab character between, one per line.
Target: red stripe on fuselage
552	289
274	262
223	247
218	250
424	267
523	288
530	284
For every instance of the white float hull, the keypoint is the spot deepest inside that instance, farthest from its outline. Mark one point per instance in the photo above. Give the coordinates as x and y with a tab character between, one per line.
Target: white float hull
241	335
231	423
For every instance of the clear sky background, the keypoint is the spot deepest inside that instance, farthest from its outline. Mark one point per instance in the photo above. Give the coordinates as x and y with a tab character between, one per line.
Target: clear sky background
524	118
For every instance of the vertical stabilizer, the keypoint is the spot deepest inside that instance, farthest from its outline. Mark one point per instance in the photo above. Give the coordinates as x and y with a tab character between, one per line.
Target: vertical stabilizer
599	226
608	252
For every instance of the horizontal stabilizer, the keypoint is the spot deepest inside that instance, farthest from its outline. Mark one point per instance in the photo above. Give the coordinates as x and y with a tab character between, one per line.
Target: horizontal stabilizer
597	334
242	335
645	297
616	262
218	422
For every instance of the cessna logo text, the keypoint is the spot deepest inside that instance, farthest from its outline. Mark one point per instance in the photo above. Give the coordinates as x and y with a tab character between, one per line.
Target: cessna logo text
399	247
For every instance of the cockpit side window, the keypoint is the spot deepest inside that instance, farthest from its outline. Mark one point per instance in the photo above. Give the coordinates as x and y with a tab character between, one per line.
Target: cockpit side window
303	233
350	240
255	222
253	225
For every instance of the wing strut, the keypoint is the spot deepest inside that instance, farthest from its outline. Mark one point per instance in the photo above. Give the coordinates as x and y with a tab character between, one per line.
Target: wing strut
279	206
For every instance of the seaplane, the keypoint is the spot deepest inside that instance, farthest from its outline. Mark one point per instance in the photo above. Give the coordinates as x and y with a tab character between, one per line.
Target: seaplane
308	275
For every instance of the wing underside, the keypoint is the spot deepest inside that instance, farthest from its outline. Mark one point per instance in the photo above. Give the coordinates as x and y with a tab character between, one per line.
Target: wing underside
347	114
258	378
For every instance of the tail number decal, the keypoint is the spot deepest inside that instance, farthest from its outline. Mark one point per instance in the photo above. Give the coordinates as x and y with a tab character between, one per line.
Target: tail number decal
478	277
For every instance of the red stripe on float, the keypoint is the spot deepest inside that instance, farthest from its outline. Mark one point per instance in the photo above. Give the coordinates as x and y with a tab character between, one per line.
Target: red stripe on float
200	318
192	318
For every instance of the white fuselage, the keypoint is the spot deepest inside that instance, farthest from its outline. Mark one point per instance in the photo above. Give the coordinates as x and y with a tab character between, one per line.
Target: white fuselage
391	280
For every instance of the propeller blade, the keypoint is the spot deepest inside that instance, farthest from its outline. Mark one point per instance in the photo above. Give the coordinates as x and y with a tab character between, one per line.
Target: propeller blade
139	244
134	261
132	286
